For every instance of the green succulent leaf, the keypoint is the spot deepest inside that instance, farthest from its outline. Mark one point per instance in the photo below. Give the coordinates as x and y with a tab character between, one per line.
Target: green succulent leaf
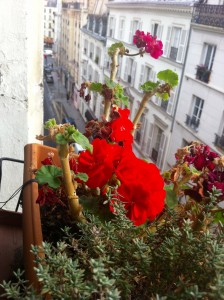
61	139
171	198
149	86
169	77
49	175
219	217
50	123
82	176
114	47
110	83
96	87
79	138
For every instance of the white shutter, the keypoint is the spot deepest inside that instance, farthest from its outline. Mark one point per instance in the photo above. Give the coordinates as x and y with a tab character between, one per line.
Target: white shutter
153	75
169	109
126	70
144	140
152	28
167	43
141	78
114	26
159	32
140	27
181	48
133	71
149	141
131	33
161	151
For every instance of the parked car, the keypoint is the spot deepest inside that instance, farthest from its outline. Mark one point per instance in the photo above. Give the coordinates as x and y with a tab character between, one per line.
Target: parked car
49	78
47	70
48	52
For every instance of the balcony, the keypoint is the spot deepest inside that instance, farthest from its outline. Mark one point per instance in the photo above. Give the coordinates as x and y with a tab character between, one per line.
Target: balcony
203	73
71	5
192	122
211	15
219	141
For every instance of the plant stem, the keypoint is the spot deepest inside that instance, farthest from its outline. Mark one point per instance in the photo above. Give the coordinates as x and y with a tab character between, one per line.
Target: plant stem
140	111
73	200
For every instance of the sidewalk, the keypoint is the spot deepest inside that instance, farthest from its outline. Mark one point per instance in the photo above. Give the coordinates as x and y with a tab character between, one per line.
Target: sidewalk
59	95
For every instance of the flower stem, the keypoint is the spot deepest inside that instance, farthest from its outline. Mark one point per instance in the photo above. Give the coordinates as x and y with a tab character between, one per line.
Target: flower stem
73	200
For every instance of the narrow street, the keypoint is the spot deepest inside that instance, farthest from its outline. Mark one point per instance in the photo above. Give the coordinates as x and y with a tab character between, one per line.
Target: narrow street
56	104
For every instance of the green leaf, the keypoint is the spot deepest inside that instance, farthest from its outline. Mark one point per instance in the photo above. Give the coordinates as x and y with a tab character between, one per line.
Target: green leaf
82	176
49	175
219	217
96	87
110	83
61	139
71	129
171	198
114	47
79	138
50	123
169	77
164	96
149	86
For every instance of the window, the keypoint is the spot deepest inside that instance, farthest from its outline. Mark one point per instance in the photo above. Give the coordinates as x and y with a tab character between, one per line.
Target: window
147	73
111	27
204	69
219	138
157	30
130	70
91	53
121	29
135	25
140	131
86	44
175	43
156	144
97	56
193	120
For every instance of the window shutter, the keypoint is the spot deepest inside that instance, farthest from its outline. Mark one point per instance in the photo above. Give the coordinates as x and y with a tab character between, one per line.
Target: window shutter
153	75
133	71
160	157
126	70
160	32
169	109
152	29
114	26
167	43
131	33
141	78
149	141
144	141
181	48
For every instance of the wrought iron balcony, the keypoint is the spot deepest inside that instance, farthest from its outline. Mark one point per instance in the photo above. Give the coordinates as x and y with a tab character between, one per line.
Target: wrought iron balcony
219	141
203	73
192	121
211	15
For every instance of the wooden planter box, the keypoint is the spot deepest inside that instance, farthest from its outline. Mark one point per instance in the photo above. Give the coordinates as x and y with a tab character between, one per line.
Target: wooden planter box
11	243
32	233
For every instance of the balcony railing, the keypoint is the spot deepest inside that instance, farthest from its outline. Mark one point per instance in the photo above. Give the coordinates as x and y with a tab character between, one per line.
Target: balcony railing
203	73
211	15
71	5
192	121
219	141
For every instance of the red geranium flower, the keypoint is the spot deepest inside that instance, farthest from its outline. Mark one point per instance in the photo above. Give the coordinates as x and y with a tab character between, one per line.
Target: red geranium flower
47	196
121	128
141	188
99	165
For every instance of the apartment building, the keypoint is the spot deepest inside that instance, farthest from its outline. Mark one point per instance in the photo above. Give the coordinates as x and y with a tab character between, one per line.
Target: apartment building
170	22
50	9
200	113
93	54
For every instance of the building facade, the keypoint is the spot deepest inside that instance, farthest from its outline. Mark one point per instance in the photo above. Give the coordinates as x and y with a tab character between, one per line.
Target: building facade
170	22
50	9
200	113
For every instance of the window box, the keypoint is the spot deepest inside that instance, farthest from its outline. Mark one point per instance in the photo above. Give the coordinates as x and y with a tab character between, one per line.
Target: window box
203	73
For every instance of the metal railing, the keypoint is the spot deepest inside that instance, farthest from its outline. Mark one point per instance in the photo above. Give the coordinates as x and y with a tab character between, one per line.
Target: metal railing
211	15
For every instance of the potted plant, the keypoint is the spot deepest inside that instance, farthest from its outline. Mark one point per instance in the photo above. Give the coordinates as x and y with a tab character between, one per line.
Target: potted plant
126	241
203	73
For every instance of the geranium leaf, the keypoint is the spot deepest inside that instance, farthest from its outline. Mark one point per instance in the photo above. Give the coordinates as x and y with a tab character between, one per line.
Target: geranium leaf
169	77
50	123
49	174
164	96
79	138
60	139
96	87
82	176
114	47
149	86
110	84
171	198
